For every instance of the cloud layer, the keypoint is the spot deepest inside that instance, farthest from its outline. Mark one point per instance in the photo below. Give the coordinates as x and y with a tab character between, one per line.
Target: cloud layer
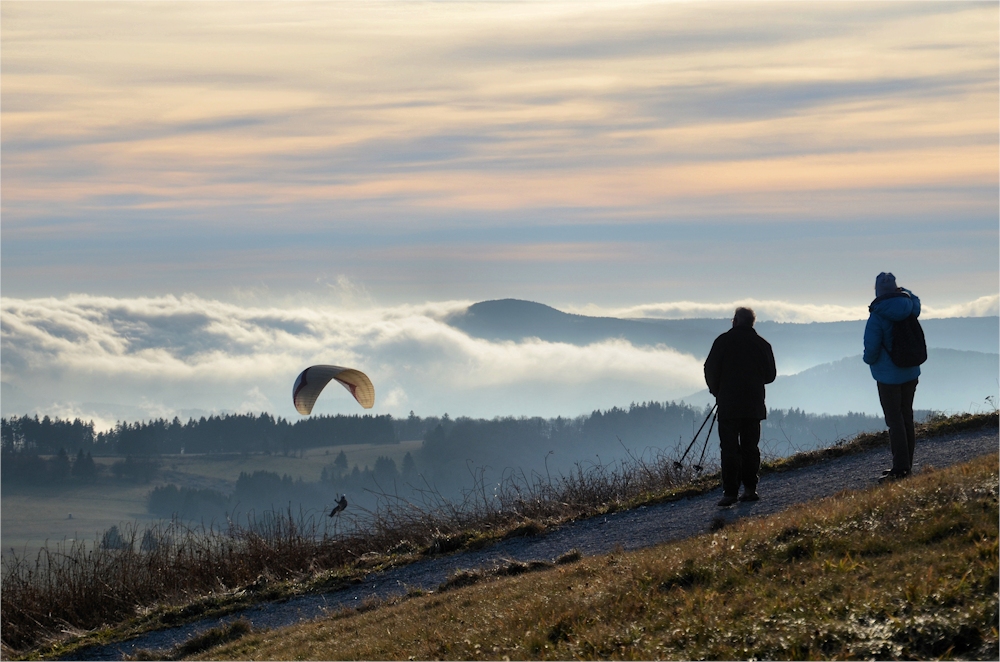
783	311
103	357
171	354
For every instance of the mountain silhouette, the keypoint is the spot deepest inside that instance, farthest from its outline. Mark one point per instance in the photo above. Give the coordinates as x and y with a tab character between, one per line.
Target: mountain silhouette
513	319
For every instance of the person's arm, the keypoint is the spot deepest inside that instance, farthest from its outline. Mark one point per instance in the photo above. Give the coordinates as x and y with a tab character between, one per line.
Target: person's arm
770	369
916	301
873	340
713	367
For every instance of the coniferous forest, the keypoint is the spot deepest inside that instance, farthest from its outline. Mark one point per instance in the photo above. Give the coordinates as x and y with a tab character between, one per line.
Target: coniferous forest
230	433
38	451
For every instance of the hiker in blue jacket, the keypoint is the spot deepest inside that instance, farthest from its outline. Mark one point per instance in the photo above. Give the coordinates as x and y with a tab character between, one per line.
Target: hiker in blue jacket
896	385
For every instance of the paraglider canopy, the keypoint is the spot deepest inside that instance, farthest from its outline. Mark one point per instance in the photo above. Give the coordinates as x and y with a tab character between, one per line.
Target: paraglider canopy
310	383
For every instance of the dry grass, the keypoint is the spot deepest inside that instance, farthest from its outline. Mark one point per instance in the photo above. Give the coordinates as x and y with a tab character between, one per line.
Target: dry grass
908	570
84	586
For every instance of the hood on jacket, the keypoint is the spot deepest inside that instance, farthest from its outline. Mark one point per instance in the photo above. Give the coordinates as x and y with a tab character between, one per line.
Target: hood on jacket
893	307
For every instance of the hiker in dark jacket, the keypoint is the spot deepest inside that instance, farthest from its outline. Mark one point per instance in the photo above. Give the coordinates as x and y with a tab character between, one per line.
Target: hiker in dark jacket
896	385
737	368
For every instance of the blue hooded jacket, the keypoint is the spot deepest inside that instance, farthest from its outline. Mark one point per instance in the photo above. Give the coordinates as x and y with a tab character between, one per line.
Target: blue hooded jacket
878	336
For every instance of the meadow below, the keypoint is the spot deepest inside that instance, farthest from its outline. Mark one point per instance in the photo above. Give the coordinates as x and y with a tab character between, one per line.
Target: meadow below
41	516
902	571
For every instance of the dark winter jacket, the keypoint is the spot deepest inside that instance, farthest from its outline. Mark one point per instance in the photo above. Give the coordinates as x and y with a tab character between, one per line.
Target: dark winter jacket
736	369
884	311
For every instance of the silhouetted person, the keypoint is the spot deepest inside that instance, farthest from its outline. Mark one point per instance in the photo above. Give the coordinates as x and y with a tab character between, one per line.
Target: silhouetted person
736	369
341	505
896	384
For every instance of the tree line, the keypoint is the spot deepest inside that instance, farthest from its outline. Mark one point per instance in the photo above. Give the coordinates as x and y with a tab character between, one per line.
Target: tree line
230	433
55	451
29	469
456	452
558	445
658	425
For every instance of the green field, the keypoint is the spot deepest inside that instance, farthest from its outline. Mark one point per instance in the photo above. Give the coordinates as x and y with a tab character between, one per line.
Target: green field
29	519
220	471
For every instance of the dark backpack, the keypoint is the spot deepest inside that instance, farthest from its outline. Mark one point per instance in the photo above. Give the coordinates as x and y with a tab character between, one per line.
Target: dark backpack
909	348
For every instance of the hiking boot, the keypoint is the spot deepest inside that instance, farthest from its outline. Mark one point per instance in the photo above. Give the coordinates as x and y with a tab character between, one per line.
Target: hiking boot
726	501
891	477
750	496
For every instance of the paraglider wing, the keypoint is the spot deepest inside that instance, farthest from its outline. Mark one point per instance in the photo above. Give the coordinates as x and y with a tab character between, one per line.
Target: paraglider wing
358	384
311	382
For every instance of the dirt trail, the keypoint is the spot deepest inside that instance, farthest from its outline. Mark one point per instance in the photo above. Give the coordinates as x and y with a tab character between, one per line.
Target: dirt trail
633	529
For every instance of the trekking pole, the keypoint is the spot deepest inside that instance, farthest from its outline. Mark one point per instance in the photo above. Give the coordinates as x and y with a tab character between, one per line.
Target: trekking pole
698	467
680	463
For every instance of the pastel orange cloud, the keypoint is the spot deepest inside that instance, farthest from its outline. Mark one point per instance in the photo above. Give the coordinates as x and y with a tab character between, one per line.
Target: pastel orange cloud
190	106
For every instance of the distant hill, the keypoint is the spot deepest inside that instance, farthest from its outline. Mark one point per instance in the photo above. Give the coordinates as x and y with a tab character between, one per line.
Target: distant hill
950	381
512	319
796	346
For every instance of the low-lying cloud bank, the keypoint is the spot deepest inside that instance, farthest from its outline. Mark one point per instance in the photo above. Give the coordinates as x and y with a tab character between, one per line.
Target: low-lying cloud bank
167	355
105	358
783	311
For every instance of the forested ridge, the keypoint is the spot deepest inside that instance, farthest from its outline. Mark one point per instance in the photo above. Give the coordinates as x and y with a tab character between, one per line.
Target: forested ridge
48	450
51	453
230	433
639	424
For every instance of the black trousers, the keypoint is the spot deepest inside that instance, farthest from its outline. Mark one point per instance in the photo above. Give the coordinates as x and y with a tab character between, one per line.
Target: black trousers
897	405
738	438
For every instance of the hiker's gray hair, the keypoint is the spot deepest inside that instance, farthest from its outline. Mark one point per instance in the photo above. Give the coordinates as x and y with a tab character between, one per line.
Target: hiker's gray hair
744	317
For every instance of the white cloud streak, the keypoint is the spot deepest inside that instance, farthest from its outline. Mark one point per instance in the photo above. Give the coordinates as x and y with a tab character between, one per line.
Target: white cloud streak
987	306
783	311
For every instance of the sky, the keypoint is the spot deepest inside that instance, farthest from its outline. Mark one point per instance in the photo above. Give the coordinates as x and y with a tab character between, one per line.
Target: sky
199	199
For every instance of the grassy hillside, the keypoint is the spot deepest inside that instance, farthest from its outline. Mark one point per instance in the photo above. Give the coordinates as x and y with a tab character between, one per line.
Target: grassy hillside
108	594
899	571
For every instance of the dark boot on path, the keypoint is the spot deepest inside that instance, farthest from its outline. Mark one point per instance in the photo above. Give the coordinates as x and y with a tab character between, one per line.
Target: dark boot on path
727	501
891	477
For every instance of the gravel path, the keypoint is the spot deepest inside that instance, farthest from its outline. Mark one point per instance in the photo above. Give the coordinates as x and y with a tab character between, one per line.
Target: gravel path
632	529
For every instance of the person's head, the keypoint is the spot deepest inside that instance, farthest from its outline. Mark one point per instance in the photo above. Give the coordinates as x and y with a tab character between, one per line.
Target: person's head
744	317
885	283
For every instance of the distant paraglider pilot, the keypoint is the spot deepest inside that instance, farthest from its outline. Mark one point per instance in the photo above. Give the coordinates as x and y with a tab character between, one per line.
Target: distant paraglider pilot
341	505
736	370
